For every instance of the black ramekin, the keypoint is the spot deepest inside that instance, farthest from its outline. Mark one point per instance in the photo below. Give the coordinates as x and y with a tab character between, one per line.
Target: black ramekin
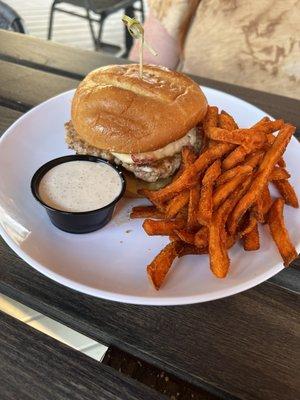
76	222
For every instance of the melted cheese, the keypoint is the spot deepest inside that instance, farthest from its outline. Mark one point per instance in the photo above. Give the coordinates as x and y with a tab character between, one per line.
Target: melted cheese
167	151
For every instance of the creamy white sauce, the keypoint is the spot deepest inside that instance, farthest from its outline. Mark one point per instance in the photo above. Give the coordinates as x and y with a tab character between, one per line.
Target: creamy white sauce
168	151
78	186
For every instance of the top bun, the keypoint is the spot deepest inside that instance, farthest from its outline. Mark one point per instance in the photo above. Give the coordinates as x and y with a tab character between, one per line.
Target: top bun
114	109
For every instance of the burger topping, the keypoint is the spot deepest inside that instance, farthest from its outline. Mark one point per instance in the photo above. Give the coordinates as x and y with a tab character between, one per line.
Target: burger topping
167	151
150	171
160	170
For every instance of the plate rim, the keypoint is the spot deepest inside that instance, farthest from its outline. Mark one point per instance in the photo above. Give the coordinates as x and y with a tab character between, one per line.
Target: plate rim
125	298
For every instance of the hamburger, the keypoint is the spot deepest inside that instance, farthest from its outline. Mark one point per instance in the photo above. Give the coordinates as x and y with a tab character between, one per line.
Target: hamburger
138	124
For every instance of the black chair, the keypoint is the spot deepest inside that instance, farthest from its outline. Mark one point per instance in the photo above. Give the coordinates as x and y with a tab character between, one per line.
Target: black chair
103	8
10	19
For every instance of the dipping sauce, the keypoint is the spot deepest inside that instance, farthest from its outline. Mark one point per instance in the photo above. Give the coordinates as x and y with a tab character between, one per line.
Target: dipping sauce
78	186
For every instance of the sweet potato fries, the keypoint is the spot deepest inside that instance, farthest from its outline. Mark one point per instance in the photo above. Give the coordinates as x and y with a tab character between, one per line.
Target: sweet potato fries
221	196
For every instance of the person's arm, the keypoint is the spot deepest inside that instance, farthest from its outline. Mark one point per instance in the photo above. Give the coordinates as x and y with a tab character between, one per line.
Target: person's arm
165	29
164	44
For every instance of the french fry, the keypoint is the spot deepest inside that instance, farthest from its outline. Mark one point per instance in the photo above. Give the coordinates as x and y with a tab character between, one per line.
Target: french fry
222	195
146	212
248	138
257	209
204	143
231	173
185	235
231	240
206	202
240	152
254	137
287	192
218	240
279	173
248	224
177	203
280	234
161	228
254	159
150	195
269	127
189	176
173	237
238	155
201	237
188	156
192	221
251	239
271	139
160	266
260	123
281	163
183	214
235	157
218	255
178	173
223	191
226	121
267	201
211	118
189	249
265	168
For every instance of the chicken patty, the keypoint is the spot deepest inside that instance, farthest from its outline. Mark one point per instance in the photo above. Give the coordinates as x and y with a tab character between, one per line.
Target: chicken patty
159	169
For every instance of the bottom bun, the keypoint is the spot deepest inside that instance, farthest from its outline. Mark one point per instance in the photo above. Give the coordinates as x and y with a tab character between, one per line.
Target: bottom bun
134	184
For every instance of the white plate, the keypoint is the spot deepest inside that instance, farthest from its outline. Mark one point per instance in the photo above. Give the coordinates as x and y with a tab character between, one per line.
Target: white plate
111	263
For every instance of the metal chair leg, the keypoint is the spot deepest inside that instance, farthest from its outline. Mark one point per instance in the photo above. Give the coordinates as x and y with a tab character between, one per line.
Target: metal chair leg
101	23
50	28
92	29
142	11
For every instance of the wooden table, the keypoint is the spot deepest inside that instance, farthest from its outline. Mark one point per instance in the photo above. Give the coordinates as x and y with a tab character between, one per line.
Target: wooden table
242	347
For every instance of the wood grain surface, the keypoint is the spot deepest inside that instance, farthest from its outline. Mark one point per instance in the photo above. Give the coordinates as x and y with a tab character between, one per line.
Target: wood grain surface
8	117
52	57
245	346
28	87
34	366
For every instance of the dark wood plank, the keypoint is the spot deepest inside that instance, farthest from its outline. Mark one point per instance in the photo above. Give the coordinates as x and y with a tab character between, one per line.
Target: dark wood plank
35	366
27	87
246	345
289	278
7	117
154	377
51	57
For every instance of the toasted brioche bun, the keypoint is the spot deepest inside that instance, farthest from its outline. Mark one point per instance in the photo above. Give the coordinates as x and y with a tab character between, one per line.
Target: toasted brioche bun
114	109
